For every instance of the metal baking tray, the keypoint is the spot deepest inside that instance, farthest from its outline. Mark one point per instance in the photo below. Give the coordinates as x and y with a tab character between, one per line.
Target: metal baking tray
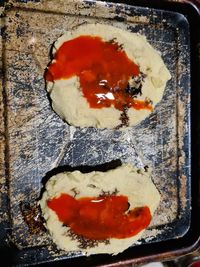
35	140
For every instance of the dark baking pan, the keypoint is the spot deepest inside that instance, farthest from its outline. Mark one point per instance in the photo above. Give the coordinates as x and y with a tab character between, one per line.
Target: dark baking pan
35	140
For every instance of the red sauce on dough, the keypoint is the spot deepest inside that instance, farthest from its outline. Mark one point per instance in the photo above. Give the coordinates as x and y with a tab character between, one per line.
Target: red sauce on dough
100	217
103	70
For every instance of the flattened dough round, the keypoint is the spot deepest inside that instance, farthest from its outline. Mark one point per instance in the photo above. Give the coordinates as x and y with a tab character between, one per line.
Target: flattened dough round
68	100
138	187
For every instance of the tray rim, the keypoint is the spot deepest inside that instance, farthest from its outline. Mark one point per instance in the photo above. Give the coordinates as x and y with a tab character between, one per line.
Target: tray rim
195	242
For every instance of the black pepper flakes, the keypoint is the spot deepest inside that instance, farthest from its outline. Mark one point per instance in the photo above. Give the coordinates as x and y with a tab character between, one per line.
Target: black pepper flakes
146	168
148	101
75	191
133	91
109	193
92	186
114	41
134	87
124	118
85	243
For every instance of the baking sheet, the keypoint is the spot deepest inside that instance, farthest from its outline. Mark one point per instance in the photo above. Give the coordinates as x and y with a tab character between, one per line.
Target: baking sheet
37	140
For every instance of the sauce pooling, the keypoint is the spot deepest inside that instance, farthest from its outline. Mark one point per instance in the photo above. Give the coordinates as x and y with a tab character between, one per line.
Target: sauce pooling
100	217
103	69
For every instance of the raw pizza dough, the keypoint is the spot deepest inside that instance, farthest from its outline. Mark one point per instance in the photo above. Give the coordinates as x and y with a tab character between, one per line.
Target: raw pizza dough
137	186
68	101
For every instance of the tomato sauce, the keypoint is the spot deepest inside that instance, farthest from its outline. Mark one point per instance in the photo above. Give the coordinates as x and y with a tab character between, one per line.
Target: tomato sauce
103	69
100	217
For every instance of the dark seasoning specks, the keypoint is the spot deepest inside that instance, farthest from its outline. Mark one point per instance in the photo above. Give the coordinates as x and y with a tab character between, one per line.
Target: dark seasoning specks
37	140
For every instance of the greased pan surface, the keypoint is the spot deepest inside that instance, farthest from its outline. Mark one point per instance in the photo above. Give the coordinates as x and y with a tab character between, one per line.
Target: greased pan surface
37	140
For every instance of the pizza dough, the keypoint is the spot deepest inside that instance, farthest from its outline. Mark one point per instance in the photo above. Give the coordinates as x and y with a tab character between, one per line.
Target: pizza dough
124	180
67	97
